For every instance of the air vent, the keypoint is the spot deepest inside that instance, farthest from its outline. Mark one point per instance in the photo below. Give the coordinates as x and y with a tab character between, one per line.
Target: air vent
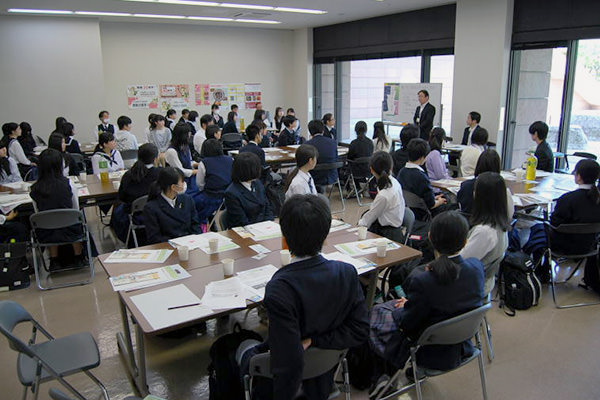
251	15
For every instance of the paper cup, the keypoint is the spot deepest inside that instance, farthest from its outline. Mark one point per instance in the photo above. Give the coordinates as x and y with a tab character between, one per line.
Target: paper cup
362	232
286	257
520	174
213	245
82	177
184	253
116	184
382	248
228	266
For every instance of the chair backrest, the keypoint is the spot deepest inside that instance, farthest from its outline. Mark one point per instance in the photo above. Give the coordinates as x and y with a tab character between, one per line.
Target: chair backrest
130	154
454	330
578	229
12	314
223	221
413	201
56	219
408	222
39	141
138	204
328	166
316	363
79	160
585	155
360	161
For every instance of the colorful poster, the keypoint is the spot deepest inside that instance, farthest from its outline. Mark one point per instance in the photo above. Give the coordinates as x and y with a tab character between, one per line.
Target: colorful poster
252	94
202	94
236	93
174	96
218	93
391	100
142	96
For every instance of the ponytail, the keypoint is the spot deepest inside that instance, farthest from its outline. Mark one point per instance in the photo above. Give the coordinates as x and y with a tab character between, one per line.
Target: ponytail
290	178
381	162
448	235
589	172
444	270
303	155
384	180
594	194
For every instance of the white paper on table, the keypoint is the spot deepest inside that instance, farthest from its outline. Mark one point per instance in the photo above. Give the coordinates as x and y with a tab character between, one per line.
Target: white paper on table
257	278
517	200
155	305
542	174
338	225
448	182
225	294
362	265
270	149
532	198
148	278
17	185
139	256
294	146
363	247
508	176
264	230
9	202
201	241
84	191
259	248
454	189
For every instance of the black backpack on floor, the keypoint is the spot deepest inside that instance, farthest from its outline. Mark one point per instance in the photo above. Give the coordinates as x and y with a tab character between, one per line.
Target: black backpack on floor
224	378
518	284
14	268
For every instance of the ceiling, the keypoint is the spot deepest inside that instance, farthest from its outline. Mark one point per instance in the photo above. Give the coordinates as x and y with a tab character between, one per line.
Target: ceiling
337	11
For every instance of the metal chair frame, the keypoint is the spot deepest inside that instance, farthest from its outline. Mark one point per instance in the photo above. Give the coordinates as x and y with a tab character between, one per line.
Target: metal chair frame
351	178
136	207
331	166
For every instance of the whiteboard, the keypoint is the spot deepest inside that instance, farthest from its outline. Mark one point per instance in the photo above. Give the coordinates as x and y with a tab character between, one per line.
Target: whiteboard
400	100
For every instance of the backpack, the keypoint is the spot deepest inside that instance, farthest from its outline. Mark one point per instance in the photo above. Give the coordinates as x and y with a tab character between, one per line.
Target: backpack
14	268
519	286
224	379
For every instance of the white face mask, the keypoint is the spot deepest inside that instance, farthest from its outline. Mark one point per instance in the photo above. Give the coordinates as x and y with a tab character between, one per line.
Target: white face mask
106	121
184	189
216	111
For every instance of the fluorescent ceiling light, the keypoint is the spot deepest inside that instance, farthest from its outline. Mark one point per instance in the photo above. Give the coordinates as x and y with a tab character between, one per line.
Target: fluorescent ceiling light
248	6
160	16
233	5
300	10
189	2
257	21
103	13
31	11
217	19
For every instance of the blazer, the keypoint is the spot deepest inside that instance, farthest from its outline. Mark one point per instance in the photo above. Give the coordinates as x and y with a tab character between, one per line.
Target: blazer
287	138
574	208
328	154
230	127
245	207
253	148
318	299
361	147
130	191
400	158
545	157
164	222
466	138
429	302
331	133
417	182
425	123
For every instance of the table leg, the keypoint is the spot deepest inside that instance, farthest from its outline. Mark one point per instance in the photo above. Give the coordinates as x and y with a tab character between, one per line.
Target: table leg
142	383
125	344
372	288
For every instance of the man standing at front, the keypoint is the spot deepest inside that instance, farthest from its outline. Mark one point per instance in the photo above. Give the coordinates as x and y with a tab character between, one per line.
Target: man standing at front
424	115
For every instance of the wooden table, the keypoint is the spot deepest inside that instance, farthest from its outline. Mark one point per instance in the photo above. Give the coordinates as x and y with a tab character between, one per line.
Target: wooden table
87	148
286	154
206	268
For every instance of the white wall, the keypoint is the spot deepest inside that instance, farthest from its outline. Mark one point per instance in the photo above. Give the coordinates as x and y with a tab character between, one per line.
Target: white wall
166	53
50	67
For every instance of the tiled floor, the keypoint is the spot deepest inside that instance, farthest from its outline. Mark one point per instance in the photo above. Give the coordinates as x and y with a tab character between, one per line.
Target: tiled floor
542	353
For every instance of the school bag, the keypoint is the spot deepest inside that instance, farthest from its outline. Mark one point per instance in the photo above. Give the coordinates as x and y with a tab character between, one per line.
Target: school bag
224	380
14	268
519	287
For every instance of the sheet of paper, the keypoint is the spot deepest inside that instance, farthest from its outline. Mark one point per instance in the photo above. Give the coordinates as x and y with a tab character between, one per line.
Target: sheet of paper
258	278
9	202
201	242
338	225
147	278
362	265
363	247
259	248
264	230
155	305
84	191
532	198
542	174
517	200
225	294
139	256
294	146
17	185
448	182
270	149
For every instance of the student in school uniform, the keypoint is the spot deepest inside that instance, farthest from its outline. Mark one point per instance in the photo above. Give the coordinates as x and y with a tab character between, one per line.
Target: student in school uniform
124	138
53	191
450	285
434	162
185	113
360	147
299	181
327	153
413	179
214	111
178	155
329	122
386	213
104	125
311	302
57	142
380	139
245	198
288	136
213	177
106	150
470	154
260	116
543	152
26	139
169	212
135	183
159	135
266	138
212	132
9	172
278	119
68	131
192	119
231	125
200	135
12	131
148	128
290	112
488	237
254	139
400	156
171	119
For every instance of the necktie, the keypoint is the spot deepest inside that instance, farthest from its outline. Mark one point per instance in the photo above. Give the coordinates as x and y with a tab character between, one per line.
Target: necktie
310	185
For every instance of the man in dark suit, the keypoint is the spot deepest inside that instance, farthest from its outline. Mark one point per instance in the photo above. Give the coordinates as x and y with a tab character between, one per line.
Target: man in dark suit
328	154
424	114
473	119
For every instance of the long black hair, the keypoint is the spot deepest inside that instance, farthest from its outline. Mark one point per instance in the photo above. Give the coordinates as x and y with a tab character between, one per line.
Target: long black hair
360	128
66	129
303	155
7	130
379	133
488	161
490	206
4	163
180	140
50	169
166	177
589	171
436	138
448	235
147	154
55	141
381	162
103	138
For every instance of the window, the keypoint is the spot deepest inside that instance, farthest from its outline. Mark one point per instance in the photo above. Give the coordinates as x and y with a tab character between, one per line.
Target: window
442	71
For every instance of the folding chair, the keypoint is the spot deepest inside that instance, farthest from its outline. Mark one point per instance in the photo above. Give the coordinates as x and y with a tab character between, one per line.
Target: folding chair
129	157
329	167
316	363
356	174
451	331
52	220
39	141
55	358
136	208
581	154
559	258
415	202
215	217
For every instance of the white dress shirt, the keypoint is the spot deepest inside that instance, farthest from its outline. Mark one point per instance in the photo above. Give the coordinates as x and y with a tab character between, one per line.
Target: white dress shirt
387	208
117	163
172	158
199	138
301	184
169	201
201	176
14	175
15	151
468	159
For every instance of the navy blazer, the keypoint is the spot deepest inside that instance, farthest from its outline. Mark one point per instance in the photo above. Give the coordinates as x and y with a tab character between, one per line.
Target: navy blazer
430	302
164	222
465	195
230	127
574	208
545	157
245	207
425	123
466	138
253	148
417	182
328	154
287	138
317	299
332	134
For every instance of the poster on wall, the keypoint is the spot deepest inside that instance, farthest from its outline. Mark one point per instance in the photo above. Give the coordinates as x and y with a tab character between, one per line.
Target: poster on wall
236	93
202	94
174	96
218	93
142	96
252	94
391	100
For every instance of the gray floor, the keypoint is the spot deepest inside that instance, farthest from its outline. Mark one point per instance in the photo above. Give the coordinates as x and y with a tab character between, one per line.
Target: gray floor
542	353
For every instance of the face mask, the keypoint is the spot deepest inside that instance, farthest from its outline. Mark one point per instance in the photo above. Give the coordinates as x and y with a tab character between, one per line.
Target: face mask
216	110
106	121
183	190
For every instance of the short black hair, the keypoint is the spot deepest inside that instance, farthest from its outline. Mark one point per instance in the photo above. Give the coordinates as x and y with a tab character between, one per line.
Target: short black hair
425	92
305	221
290	110
416	149
480	137
327	117
9	128
101	113
360	128
185	111
541	128
408	133
212	148
171	112
288	120
234	107
252	131
213	106
211	131
315	127
193	116
475	116
488	161
231	116
205	119
246	167
124	120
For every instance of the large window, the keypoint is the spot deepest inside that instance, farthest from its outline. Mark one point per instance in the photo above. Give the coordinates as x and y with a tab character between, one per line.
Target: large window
442	71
